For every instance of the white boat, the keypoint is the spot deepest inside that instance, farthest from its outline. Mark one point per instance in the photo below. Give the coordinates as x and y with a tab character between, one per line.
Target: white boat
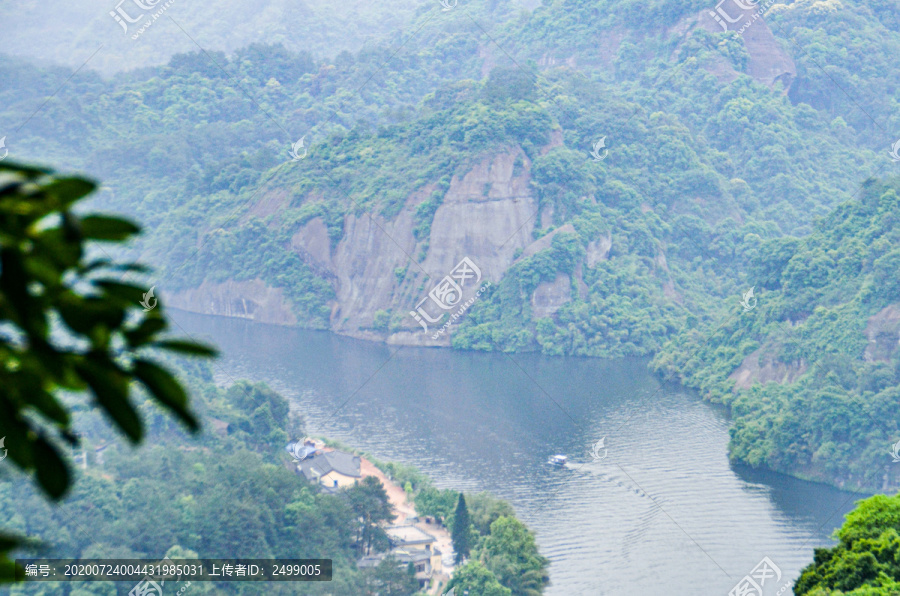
558	460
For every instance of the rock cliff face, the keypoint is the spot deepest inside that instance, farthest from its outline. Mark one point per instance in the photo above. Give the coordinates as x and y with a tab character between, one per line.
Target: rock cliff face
758	367
487	216
381	281
549	297
883	333
244	299
769	63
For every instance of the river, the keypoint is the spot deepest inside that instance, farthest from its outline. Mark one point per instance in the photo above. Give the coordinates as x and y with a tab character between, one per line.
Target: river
660	511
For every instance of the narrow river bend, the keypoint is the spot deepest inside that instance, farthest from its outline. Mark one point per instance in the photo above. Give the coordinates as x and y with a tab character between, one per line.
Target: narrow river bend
663	512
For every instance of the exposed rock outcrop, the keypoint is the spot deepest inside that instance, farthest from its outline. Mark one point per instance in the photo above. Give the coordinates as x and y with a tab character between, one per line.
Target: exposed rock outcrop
487	215
598	250
545	241
883	333
364	261
244	299
722	69
313	245
769	63
549	296
759	367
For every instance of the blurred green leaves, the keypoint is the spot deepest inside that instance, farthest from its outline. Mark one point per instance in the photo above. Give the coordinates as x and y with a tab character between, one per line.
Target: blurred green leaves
69	325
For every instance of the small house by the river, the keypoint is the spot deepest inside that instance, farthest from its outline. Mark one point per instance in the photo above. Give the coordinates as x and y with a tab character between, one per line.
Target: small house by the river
331	469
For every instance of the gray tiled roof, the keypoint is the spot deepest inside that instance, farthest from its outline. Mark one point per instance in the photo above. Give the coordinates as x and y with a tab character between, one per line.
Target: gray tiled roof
323	463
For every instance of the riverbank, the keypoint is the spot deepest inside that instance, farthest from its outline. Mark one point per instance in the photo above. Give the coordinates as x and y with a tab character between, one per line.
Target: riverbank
476	423
402	506
406	515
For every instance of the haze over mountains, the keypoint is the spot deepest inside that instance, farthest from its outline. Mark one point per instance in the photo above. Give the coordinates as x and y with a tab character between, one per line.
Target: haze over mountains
475	132
68	33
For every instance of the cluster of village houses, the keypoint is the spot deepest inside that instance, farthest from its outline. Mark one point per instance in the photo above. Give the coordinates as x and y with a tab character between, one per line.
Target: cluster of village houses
333	470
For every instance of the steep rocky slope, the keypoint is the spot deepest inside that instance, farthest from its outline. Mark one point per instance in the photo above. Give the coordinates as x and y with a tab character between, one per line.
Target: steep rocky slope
490	214
487	215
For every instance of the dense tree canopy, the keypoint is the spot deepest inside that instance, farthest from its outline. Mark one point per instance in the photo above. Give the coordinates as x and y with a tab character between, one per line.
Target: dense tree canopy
866	560
840	414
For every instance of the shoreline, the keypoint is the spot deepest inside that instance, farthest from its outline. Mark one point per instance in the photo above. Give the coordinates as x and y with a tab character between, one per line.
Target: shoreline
405	511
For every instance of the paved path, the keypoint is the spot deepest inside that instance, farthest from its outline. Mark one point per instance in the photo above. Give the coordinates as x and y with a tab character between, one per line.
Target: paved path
406	510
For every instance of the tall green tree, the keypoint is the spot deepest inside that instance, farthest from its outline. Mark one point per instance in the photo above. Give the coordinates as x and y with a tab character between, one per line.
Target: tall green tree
485	509
438	503
511	554
71	326
370	503
391	578
462	530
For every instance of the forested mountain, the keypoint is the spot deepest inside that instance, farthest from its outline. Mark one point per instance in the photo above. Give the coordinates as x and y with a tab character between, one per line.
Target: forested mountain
812	372
619	171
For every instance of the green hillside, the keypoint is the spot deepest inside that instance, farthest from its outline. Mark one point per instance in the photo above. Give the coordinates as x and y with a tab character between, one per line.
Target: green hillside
727	153
827	320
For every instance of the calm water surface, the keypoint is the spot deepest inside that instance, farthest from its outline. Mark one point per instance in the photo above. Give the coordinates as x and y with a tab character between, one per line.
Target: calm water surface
663	513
